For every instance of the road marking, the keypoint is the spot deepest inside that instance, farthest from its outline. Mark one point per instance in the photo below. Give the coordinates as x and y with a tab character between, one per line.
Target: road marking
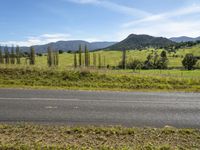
109	101
51	107
39	99
76	107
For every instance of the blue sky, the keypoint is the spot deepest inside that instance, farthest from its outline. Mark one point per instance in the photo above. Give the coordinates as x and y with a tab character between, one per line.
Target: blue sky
30	22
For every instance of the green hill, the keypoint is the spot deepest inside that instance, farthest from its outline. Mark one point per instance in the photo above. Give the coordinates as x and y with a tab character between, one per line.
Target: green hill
134	41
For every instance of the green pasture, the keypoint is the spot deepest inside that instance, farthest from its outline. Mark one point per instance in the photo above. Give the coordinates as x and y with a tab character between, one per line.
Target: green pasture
112	58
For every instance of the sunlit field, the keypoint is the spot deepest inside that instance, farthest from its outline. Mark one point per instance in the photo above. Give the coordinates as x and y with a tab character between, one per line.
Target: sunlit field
113	58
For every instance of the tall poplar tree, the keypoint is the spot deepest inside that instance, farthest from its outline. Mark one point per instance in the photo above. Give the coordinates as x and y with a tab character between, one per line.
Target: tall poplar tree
80	56
57	58
18	55
75	60
12	56
100	65
32	55
94	59
6	55
86	56
104	61
124	58
52	57
89	59
49	57
1	56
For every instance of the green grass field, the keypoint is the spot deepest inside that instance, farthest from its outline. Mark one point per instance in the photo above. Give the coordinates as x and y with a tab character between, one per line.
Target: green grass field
52	137
114	57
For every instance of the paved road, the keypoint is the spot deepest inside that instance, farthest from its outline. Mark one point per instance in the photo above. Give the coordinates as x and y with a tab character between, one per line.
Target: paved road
100	108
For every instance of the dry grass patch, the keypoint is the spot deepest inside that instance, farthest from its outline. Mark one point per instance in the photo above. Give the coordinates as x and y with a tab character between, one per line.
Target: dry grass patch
30	136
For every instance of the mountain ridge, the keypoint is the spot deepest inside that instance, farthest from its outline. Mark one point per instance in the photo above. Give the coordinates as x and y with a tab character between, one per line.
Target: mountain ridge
140	41
184	39
72	45
133	41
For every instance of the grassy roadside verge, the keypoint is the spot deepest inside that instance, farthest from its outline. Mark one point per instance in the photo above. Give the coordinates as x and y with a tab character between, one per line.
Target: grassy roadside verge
30	136
55	79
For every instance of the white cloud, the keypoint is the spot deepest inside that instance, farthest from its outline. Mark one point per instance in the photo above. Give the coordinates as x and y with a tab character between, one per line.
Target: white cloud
46	38
164	16
166	29
38	40
174	23
114	7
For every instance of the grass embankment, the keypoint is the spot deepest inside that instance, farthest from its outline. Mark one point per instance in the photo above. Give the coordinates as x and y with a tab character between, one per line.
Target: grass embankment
29	136
93	80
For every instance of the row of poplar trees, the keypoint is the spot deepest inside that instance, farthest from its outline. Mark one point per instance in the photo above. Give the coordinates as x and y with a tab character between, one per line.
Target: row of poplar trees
8	57
83	59
14	55
52	57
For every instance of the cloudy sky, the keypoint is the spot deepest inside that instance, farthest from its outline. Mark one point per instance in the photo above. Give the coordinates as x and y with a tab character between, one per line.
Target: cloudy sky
31	22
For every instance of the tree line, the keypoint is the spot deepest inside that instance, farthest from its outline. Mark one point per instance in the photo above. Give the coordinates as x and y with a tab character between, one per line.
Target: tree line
175	47
156	61
14	55
82	58
10	57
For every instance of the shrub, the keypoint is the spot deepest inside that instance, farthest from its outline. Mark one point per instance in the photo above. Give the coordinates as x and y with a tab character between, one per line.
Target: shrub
135	64
39	54
156	62
69	51
189	61
60	51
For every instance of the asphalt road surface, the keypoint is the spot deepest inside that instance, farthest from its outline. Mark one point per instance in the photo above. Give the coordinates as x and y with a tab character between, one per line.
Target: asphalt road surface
139	109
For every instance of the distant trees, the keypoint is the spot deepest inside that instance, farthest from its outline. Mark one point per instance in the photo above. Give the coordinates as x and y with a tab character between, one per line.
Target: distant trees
189	61
175	47
153	61
32	55
52	57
